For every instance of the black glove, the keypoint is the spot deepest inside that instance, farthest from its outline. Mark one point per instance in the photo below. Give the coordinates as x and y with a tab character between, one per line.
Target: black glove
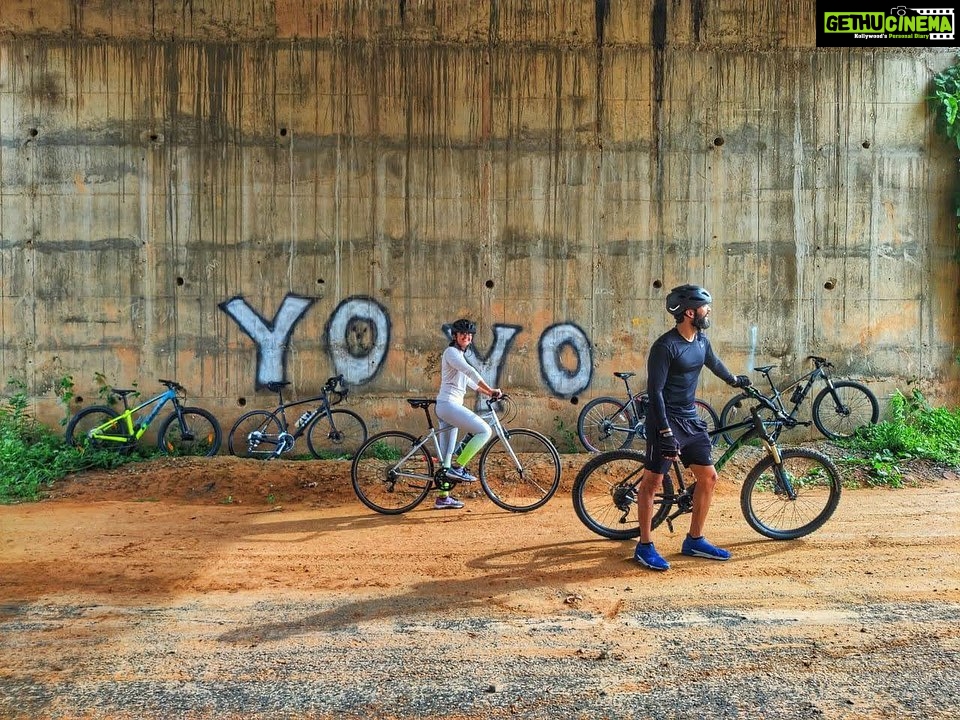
740	381
669	448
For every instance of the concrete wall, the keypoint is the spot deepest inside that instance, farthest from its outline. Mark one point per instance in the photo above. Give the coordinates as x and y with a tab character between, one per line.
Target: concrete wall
229	192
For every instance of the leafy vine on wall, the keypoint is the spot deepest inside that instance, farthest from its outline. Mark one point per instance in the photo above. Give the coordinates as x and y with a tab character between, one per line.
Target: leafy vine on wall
946	101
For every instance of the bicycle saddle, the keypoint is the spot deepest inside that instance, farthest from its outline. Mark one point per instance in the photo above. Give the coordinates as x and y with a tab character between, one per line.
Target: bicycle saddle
624	375
122	393
765	369
277	386
421	402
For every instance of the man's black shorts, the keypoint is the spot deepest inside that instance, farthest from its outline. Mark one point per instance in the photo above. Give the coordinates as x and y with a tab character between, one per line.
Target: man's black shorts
691	435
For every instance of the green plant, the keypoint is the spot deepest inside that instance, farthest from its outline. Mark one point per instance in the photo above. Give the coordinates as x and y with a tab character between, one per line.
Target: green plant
946	102
915	431
33	456
64	392
565	438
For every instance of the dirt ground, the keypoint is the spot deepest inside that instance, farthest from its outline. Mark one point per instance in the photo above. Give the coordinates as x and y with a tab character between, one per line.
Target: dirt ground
226	588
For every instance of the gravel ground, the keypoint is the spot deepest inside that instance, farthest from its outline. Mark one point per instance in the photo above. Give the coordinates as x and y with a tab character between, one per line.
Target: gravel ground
147	598
213	659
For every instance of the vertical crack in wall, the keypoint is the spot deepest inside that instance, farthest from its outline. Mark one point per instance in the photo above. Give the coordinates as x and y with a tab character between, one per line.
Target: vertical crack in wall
658	42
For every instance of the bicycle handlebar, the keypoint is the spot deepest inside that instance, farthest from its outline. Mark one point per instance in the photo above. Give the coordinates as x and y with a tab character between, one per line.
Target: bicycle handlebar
779	415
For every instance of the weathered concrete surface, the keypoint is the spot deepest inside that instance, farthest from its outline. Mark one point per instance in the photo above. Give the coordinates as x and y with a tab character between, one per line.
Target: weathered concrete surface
233	192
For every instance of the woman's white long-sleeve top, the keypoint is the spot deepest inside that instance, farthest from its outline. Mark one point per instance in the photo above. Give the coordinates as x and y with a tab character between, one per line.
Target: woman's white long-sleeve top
456	375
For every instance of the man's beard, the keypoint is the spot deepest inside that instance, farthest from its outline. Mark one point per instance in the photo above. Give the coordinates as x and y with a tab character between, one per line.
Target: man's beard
701	323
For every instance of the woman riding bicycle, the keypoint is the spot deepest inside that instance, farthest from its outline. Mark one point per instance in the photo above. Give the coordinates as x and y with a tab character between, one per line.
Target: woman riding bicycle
456	374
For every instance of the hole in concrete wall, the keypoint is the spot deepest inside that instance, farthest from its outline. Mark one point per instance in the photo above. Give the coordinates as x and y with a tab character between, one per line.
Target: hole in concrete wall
574	400
179	281
830	284
865	144
319	281
283	132
78	399
489	284
658	284
241	401
33	132
154	137
718	141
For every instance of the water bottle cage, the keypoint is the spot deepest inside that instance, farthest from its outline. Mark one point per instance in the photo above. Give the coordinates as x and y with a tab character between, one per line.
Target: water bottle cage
797	396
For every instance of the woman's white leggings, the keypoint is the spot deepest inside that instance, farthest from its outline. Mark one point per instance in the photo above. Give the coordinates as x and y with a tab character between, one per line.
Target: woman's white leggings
463	419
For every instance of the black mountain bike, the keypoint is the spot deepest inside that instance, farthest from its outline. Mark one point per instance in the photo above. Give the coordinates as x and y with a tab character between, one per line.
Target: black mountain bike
838	410
789	493
266	434
606	423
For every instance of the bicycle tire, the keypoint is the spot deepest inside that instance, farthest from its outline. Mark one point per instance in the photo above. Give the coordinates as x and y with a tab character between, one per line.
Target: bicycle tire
202	439
859	408
601	423
337	434
709	417
255	435
767	507
372	473
88	419
737	410
525	488
605	499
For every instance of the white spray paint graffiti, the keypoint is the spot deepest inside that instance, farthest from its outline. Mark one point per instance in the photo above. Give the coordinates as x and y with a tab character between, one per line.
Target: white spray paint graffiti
270	337
564	382
358	335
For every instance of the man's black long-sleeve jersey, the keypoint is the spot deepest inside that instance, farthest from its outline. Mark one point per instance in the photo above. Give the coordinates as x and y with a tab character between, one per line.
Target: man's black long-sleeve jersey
673	371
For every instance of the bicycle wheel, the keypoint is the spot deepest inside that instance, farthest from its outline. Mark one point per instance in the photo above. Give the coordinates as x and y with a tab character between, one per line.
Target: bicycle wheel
773	512
839	412
200	436
255	435
738	410
527	478
604	424
384	481
336	435
709	416
79	427
605	495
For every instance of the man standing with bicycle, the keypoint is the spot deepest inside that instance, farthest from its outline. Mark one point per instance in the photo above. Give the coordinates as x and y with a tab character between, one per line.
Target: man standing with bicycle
672	426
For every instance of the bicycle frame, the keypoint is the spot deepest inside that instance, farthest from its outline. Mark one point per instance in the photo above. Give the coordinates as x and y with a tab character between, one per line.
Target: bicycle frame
134	429
754	427
490	416
799	395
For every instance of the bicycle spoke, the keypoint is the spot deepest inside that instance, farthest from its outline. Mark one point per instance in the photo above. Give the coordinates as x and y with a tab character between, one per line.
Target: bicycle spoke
856	408
604	424
605	495
793	500
384	481
524	475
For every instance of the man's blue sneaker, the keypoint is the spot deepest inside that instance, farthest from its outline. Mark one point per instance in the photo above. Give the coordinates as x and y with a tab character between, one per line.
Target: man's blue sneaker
646	554
699	547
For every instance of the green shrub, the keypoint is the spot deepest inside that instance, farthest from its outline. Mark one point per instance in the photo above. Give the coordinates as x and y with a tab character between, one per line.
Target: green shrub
915	431
33	456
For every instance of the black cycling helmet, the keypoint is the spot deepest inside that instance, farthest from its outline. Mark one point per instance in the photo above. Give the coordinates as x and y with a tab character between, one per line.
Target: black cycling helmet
463	326
687	297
